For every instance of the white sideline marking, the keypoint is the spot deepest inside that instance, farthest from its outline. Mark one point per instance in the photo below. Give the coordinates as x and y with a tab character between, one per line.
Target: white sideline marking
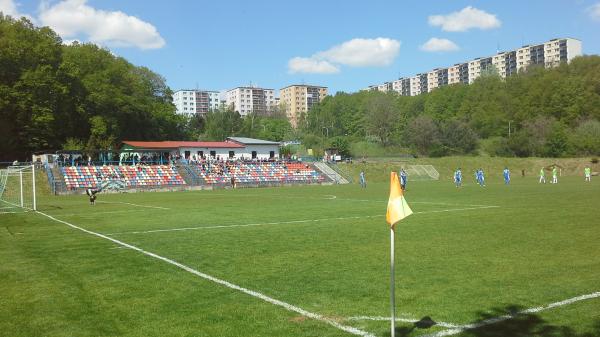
128	203
406	320
10	212
6	207
493	320
227	284
289	222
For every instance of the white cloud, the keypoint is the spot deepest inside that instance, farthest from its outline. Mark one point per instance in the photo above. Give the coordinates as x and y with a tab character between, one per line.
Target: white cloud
74	18
363	52
468	17
9	7
311	65
377	52
439	45
594	11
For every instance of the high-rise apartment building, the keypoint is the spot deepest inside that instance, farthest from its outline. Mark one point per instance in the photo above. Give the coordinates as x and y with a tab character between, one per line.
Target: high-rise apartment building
298	98
548	54
195	101
246	100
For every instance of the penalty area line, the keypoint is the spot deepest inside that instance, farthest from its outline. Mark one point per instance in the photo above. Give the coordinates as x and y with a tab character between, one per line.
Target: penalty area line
489	321
227	284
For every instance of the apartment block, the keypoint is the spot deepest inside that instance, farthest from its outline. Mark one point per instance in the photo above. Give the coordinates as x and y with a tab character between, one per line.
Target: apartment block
195	101
246	100
405	86
415	86
506	63
299	98
397	86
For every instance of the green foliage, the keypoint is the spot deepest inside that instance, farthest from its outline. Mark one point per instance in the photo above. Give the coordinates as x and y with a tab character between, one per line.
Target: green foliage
221	124
550	112
341	144
73	144
496	147
50	93
585	139
286	151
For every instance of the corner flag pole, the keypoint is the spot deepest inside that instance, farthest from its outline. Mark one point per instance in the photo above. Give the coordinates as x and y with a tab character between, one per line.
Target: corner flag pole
393	283
397	210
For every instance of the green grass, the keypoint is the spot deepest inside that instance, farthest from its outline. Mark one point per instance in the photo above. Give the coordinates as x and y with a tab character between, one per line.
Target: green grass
540	245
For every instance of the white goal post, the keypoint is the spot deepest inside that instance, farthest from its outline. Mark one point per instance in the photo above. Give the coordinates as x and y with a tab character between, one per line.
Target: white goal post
422	172
17	189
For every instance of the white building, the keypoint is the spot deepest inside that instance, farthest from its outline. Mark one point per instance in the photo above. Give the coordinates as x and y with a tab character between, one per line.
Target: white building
195	101
256	148
548	54
232	148
246	100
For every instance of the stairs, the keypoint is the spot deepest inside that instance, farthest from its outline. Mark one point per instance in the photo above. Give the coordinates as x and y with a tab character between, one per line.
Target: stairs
331	173
56	180
189	175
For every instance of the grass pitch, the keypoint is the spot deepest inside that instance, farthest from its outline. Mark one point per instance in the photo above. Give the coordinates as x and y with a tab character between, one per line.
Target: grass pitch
466	255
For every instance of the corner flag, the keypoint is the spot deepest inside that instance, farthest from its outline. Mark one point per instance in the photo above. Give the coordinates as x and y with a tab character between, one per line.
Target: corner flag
397	208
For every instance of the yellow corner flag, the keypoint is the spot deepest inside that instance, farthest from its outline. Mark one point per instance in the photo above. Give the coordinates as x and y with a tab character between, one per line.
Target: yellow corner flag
397	208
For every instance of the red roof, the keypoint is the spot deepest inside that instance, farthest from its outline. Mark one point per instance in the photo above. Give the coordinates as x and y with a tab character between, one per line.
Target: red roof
170	144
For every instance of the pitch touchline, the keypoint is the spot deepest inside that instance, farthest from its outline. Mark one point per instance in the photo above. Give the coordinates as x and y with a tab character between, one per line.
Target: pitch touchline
227	284
494	320
288	222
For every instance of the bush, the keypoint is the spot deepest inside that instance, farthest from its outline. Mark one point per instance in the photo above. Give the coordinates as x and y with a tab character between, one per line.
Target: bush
496	147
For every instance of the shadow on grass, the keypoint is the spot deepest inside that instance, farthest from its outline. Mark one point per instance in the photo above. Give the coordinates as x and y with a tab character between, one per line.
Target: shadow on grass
496	324
522	325
424	323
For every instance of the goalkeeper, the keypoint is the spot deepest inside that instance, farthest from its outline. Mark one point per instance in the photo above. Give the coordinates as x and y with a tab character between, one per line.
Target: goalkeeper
91	192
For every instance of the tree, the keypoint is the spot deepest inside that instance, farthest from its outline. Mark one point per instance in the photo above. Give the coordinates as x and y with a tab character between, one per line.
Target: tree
381	117
422	134
222	124
341	144
458	138
586	137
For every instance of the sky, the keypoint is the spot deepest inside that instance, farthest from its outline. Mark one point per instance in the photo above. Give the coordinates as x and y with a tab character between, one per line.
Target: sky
343	45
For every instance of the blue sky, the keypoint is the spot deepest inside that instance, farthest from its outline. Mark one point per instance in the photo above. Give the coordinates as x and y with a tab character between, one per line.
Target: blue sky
344	45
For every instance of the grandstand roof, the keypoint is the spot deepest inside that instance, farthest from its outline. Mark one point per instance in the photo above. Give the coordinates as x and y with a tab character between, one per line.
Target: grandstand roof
251	141
170	144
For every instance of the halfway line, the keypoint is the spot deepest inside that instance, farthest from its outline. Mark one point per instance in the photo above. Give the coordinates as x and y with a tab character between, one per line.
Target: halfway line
227	284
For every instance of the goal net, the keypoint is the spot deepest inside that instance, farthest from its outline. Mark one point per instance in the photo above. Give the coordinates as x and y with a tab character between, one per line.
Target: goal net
422	172
17	189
